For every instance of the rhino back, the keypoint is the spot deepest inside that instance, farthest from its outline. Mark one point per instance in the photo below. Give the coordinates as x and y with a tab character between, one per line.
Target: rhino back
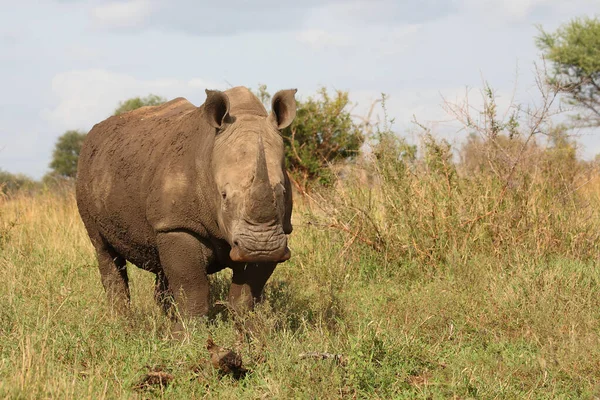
135	172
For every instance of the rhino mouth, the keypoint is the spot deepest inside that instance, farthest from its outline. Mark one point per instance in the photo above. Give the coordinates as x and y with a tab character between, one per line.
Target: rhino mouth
260	247
239	254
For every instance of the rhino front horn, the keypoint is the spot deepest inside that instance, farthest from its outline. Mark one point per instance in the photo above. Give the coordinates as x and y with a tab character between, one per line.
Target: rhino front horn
260	206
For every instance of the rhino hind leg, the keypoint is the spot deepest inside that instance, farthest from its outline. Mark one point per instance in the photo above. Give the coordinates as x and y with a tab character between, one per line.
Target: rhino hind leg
247	285
113	272
163	295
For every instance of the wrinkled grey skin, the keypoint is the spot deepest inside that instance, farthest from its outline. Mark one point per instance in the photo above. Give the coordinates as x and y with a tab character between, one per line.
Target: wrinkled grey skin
185	191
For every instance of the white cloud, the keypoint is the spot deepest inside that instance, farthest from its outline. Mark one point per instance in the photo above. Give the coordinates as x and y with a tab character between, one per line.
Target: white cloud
82	53
204	17
89	96
516	9
382	41
122	14
372	13
396	39
519	10
223	18
320	39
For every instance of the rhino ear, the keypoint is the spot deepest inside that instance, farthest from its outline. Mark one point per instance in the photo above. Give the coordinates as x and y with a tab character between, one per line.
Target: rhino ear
216	108
283	108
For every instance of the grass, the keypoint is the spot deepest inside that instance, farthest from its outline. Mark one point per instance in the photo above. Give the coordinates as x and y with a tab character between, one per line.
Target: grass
484	327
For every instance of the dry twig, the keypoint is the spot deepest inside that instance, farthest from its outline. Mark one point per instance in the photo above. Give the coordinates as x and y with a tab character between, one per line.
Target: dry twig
315	355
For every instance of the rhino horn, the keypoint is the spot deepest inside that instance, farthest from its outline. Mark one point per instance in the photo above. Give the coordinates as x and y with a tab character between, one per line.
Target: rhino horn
261	174
261	203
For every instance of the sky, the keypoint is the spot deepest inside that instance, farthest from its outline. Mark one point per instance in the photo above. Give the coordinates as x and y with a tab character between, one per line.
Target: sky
66	64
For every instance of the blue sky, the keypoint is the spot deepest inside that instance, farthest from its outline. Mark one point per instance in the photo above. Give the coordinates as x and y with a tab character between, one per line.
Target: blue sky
66	64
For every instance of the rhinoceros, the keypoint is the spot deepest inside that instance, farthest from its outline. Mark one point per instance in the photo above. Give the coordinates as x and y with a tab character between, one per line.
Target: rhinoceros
185	191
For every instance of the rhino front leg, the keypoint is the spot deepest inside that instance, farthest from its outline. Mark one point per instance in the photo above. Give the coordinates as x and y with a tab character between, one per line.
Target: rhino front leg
184	258
247	285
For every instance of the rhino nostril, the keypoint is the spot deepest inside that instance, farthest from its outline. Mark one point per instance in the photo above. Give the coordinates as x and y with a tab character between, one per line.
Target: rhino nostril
236	243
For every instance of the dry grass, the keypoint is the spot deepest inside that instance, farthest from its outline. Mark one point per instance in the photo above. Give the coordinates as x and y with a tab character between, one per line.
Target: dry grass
508	323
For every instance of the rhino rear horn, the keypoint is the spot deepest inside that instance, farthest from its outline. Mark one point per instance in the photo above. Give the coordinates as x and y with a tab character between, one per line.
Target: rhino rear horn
216	108
283	108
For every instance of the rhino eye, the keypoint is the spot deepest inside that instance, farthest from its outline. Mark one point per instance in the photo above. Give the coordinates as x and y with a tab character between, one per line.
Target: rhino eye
224	195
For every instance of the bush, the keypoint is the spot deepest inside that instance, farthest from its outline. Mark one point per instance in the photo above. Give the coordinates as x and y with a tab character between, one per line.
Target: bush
322	133
11	183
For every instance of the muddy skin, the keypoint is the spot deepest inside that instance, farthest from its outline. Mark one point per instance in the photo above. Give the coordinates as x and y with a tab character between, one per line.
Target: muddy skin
185	191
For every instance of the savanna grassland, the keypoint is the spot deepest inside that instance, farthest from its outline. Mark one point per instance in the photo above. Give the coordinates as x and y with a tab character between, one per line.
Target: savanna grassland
433	277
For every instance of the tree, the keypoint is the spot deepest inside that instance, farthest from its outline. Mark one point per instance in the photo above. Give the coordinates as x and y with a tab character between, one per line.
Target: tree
574	50
137	102
66	154
323	132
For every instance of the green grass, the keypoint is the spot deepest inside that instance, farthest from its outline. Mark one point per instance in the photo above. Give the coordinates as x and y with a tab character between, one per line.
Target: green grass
482	327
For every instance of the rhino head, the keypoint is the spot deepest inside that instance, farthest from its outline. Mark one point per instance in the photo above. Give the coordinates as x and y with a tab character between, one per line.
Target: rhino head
248	163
